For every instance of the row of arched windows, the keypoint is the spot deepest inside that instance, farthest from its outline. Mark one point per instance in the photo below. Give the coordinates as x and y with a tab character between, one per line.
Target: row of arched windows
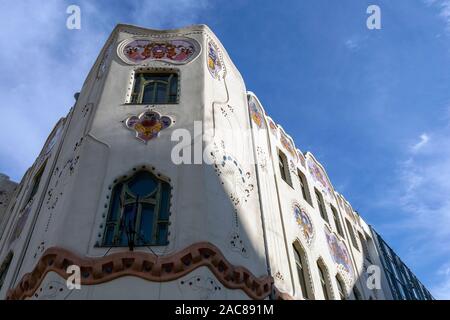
303	273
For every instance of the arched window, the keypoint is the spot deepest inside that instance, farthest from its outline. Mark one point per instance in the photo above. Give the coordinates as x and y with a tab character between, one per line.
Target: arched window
356	293
4	268
341	288
139	212
155	88
302	272
323	283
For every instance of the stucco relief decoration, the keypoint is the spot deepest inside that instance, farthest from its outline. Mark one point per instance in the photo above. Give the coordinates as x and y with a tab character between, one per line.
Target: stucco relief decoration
207	287
340	256
148	125
239	186
319	176
256	113
213	60
304	222
174	51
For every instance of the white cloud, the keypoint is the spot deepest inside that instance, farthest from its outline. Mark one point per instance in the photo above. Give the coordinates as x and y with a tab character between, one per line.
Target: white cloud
424	139
444	9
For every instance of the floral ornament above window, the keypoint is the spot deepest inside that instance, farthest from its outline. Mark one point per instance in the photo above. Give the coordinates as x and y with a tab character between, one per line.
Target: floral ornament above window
287	144
256	113
176	51
340	255
319	176
148	124
214	63
304	222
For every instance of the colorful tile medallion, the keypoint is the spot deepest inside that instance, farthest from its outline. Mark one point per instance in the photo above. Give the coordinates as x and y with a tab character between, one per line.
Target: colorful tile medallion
148	124
256	113
176	51
340	254
214	63
273	127
287	144
304	222
319	176
301	158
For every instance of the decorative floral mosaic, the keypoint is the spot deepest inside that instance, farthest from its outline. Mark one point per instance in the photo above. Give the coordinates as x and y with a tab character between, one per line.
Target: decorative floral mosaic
256	113
287	144
148	125
340	255
176	51
213	60
301	158
273	127
319	176
304	222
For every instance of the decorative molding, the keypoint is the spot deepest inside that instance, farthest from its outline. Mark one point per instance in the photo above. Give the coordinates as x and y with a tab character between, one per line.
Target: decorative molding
148	266
180	50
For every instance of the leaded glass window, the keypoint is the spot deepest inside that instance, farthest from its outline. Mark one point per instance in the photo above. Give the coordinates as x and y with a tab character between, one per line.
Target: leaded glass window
155	88
139	212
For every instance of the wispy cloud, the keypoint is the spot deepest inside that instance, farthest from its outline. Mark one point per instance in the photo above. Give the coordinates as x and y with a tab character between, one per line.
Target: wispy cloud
424	139
444	10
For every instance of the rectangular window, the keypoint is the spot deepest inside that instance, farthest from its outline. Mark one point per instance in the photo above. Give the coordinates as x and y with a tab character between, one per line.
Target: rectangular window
337	222
352	234
284	168
155	88
304	186
321	205
364	247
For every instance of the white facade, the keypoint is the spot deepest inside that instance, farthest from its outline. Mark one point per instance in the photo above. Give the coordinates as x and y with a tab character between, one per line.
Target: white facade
233	225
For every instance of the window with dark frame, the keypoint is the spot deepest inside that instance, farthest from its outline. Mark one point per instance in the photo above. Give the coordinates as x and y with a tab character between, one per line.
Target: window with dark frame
341	289
337	221
301	272
284	167
36	183
139	212
352	234
323	282
321	205
304	186
155	88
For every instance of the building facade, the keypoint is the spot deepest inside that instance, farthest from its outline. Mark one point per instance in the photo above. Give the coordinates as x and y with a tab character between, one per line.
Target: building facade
167	180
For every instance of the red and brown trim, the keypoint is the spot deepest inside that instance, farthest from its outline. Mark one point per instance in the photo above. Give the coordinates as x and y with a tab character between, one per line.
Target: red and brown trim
144	265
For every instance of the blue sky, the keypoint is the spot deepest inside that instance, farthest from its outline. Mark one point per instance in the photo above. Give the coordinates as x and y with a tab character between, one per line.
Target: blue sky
372	105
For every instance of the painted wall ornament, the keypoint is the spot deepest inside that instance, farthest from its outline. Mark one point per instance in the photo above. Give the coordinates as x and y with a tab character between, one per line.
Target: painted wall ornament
148	125
174	51
340	256
288	145
213	60
273	127
304	222
256	113
319	176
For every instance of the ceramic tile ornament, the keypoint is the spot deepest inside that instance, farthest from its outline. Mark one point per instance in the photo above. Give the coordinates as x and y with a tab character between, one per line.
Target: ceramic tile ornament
213	60
304	222
175	51
273	127
287	144
340	255
256	113
319	176
148	125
